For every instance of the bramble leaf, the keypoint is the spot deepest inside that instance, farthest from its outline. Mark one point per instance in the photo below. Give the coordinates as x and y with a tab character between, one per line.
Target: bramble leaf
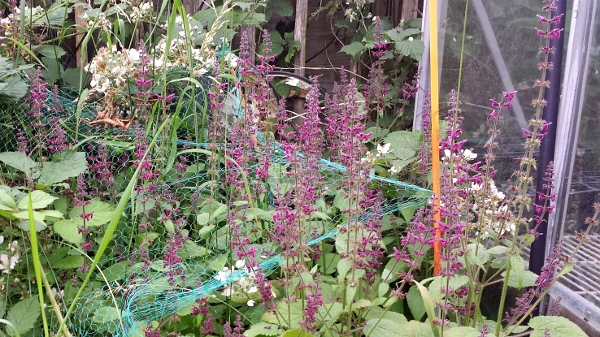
23	315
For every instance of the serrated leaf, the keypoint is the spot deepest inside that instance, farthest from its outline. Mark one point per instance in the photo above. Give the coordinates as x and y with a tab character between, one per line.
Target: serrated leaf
343	266
413	49
378	312
391	270
64	165
50	213
21	162
190	249
517	271
39	199
262	329
399	34
120	270
416	329
289	315
24	224
382	289
202	218
415	303
102	213
299	332
106	314
527	279
556	325
23	315
68	231
382	328
7	202
354	49
69	262
403	144
14	87
50	51
462	331
455	282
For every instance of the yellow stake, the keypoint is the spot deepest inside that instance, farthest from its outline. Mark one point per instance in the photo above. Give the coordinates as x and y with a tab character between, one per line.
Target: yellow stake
435	129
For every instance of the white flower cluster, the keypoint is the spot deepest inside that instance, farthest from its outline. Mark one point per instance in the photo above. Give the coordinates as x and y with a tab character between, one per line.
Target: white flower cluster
100	21
9	261
10	23
244	287
494	210
111	68
486	202
382	150
138	10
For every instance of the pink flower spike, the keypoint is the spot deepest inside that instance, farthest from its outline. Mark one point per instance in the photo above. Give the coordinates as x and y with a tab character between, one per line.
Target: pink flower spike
509	95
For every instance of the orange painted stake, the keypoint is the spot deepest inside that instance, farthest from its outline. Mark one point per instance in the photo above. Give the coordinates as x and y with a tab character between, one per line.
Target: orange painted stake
435	130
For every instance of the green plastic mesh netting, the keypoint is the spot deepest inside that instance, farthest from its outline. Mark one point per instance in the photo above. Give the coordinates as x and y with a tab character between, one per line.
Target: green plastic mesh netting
135	284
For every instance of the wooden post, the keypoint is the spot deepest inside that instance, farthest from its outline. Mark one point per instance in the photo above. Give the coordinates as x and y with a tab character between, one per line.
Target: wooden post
300	56
81	62
191	6
410	9
251	35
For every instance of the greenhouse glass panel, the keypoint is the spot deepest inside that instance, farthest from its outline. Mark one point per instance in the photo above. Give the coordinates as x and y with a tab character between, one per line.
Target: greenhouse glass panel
584	187
500	48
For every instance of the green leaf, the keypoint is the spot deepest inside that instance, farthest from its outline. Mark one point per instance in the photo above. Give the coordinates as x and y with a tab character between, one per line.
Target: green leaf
69	262
299	332
281	8
120	270
14	87
517	271
462	331
416	329
378	312
202	218
67	229
556	325
262	329
21	162
190	250
403	144
343	266
427	301
289	314
354	49
106	314
399	34
413	49
382	328
415	303
2	307
382	289
7	202
101	213
50	51
391	270
64	165
455	282
39	199
526	280
23	315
